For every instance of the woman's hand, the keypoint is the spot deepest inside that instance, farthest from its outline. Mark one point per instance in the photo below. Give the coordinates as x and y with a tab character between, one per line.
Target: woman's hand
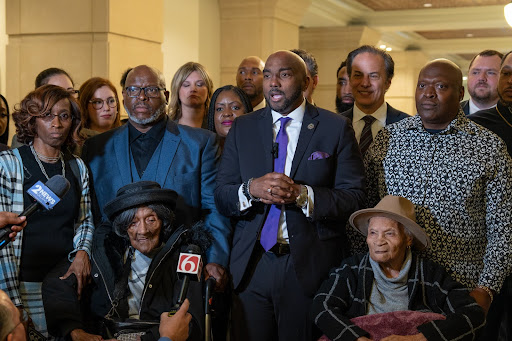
482	298
416	337
81	267
219	273
363	338
81	335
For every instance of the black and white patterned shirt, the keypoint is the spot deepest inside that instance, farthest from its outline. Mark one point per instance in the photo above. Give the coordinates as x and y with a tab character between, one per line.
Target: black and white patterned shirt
460	181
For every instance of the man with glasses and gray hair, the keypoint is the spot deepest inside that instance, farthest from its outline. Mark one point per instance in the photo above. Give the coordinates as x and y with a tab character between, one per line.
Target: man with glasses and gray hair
152	147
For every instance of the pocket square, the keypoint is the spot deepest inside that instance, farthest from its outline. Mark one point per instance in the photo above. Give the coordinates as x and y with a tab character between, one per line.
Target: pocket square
318	155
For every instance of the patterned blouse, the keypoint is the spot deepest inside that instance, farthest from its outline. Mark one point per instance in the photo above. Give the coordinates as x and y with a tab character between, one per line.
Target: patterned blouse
11	200
460	181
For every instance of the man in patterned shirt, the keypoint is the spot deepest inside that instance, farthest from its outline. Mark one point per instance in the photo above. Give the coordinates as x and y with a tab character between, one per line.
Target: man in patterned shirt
459	176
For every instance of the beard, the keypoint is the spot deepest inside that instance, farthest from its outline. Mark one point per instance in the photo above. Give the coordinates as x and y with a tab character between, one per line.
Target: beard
288	101
341	106
505	102
151	119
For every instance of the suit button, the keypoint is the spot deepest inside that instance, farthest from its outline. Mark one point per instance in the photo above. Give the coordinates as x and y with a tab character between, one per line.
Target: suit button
95	275
150	286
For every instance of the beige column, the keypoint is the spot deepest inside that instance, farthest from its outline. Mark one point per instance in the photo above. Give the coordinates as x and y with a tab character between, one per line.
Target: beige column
330	46
86	38
257	27
403	87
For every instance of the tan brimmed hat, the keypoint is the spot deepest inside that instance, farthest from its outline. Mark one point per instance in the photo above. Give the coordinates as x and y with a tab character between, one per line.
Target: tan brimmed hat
396	208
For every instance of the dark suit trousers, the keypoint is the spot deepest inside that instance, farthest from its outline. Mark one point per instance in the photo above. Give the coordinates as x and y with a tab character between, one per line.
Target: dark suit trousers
270	304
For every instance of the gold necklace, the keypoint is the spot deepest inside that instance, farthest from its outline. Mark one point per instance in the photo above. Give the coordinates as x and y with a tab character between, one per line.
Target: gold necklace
504	119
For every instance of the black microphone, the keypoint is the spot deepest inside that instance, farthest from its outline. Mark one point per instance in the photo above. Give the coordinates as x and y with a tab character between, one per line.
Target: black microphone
189	264
57	185
275	150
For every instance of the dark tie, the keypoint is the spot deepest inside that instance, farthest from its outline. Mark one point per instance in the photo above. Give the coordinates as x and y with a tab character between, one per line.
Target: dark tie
366	135
269	232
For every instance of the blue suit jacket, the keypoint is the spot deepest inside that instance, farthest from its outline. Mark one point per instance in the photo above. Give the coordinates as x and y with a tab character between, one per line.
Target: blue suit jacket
187	164
464	105
392	116
317	243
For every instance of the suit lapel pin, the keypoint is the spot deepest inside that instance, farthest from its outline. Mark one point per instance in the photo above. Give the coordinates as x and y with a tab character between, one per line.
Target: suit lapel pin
311	126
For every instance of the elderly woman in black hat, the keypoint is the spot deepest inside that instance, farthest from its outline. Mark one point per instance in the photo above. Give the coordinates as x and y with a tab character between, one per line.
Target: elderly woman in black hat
134	269
406	294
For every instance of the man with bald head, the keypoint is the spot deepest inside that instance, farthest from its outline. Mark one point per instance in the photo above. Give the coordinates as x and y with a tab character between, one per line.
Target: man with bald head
11	328
459	176
249	78
152	147
290	176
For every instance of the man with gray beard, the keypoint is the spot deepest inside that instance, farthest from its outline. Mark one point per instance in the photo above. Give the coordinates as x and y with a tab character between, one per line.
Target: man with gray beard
151	147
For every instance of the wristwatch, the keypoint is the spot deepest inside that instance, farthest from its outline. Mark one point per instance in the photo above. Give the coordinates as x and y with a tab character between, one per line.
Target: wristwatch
302	199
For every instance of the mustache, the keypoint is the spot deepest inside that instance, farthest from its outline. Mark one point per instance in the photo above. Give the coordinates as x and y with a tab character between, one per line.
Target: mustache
275	92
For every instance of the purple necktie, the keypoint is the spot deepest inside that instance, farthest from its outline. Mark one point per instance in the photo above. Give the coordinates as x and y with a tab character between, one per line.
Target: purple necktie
269	232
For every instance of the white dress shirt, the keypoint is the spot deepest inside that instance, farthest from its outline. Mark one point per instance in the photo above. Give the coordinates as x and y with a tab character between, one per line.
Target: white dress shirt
473	108
293	132
358	123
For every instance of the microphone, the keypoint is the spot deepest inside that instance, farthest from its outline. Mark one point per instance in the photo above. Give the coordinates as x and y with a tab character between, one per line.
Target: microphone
210	285
275	150
190	265
46	196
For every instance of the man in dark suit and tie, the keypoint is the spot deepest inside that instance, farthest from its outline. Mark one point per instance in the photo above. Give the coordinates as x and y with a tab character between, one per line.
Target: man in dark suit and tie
370	73
290	176
152	147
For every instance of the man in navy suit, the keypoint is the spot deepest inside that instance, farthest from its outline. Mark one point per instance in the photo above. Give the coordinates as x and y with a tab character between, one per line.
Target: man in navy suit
370	73
290	176
152	147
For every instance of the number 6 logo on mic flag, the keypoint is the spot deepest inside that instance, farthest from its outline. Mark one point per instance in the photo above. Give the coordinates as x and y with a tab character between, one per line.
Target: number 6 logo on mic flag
190	263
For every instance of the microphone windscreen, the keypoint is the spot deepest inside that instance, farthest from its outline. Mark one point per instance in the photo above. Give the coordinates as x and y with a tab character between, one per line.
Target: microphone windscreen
58	185
191	248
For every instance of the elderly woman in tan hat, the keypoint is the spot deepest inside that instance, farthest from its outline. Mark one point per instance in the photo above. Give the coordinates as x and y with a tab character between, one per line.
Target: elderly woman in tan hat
405	293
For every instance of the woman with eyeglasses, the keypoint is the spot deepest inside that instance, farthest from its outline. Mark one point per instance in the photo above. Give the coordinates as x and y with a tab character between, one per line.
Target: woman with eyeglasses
47	121
53	76
100	107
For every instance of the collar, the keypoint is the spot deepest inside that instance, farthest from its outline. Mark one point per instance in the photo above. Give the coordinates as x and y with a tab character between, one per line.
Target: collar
473	108
156	132
379	114
459	123
297	115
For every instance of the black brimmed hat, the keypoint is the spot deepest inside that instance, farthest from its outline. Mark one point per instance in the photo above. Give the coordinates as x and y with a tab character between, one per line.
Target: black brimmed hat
138	194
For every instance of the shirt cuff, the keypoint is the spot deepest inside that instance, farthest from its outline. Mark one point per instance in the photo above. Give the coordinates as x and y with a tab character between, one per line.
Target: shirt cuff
308	210
243	203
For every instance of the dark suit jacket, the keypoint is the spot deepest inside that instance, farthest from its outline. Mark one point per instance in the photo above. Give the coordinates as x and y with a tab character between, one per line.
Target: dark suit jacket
316	243
187	164
392	116
464	105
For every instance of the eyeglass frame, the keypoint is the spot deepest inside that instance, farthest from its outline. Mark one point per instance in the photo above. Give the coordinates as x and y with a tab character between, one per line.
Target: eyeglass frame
141	89
49	117
103	101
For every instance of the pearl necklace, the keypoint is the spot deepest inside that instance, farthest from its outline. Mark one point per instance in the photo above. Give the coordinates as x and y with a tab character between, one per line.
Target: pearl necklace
38	158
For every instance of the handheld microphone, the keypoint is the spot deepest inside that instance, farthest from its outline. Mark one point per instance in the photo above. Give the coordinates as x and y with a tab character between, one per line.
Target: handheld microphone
46	195
275	150
190	264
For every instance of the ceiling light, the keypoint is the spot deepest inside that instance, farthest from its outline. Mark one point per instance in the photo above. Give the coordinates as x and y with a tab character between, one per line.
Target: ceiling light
469	35
389	49
382	46
427	5
465	78
508	13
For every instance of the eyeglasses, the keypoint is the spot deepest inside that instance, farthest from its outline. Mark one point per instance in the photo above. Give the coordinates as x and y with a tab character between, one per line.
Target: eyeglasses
48	117
149	91
97	103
